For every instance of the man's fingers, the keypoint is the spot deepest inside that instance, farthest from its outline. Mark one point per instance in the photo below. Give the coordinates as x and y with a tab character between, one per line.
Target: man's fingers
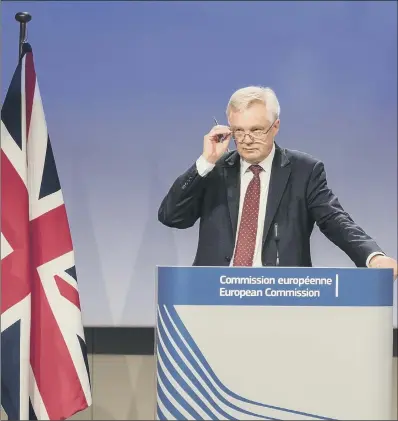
220	130
225	136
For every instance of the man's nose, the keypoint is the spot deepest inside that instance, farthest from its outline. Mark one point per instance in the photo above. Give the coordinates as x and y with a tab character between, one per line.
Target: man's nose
247	139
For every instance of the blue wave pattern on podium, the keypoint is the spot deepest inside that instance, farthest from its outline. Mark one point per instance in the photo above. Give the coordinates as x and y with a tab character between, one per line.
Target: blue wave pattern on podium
188	388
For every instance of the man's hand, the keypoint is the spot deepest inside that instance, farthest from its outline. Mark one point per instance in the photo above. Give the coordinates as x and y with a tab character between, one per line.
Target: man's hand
384	262
213	147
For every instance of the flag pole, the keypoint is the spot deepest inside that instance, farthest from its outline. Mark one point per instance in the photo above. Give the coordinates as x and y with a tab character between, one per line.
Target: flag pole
23	18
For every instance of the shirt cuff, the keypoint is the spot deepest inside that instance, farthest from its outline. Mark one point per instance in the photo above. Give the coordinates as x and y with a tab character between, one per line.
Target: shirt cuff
203	166
377	253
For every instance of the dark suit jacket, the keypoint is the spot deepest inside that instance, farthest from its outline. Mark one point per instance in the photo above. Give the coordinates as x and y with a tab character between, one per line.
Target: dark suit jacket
298	197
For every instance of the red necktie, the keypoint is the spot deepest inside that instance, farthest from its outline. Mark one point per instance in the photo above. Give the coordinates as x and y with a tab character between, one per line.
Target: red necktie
246	243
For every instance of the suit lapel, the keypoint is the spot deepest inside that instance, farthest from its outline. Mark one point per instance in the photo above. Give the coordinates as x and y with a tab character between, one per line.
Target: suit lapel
232	181
280	174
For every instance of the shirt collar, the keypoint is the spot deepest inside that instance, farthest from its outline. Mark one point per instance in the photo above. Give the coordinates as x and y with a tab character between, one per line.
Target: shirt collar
266	164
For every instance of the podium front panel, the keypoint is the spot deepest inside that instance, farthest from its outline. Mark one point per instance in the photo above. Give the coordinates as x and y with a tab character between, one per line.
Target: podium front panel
274	343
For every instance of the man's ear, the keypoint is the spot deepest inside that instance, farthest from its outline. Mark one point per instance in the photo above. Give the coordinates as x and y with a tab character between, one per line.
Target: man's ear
276	126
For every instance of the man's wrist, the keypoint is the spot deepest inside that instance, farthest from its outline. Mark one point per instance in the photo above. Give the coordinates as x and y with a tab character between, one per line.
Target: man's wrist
372	256
209	159
203	166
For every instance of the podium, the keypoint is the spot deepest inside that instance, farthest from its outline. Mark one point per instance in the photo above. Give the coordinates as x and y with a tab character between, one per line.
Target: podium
274	343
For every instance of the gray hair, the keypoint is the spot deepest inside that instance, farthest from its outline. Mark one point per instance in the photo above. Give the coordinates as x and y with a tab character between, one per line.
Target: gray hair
244	97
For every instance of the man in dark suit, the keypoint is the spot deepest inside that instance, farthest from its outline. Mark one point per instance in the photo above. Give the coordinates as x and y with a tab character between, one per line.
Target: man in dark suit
240	196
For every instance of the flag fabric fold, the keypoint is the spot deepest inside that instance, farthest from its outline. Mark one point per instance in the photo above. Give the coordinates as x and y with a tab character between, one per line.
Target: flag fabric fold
44	366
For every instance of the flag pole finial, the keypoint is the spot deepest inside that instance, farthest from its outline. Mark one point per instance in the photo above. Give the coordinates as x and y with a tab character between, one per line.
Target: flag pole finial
23	18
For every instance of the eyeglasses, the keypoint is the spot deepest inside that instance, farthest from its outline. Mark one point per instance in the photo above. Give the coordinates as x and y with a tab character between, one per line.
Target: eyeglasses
257	134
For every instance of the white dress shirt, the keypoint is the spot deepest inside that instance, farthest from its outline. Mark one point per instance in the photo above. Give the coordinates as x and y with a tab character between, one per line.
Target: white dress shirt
204	167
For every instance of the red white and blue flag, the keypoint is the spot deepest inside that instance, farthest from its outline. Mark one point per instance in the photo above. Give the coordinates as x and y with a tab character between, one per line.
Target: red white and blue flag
44	368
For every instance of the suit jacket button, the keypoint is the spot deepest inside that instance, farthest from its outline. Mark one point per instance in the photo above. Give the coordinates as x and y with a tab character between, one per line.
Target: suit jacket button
228	258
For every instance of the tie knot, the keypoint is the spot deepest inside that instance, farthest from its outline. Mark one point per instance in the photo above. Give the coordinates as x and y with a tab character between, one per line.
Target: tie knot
255	169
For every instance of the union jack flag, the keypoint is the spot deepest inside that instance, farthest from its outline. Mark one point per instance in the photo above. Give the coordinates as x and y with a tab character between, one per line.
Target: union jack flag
44	367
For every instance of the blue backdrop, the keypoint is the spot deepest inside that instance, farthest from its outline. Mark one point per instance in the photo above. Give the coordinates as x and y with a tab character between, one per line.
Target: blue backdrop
130	89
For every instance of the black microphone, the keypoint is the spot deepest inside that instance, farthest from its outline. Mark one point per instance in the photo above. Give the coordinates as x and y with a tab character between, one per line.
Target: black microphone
276	238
